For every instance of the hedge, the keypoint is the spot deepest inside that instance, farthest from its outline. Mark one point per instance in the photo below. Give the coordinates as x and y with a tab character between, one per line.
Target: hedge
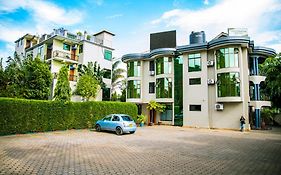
24	116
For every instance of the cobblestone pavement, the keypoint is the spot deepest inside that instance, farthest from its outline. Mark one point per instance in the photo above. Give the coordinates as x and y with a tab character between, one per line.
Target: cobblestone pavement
151	150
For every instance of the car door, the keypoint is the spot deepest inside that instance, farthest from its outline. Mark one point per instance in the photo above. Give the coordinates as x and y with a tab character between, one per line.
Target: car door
105	124
114	122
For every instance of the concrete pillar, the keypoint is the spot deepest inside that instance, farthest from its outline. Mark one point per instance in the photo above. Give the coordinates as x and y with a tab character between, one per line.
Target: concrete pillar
258	118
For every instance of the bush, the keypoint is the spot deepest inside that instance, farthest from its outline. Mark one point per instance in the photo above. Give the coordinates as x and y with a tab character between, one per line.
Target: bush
23	116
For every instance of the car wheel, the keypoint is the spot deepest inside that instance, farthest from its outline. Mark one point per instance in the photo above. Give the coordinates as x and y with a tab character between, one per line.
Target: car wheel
98	128
119	130
132	132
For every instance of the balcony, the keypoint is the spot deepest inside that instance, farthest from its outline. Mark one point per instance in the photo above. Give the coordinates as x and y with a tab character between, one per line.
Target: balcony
64	56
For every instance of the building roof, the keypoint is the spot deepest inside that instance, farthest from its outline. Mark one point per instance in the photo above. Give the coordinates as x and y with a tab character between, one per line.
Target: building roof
104	31
26	36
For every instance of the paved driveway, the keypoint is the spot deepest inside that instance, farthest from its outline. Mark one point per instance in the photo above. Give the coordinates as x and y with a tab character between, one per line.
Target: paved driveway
151	150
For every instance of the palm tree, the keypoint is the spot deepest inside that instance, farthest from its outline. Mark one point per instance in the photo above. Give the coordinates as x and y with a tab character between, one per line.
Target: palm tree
118	78
94	70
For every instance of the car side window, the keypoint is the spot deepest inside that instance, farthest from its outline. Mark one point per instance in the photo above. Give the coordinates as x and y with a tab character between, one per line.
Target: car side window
108	118
115	118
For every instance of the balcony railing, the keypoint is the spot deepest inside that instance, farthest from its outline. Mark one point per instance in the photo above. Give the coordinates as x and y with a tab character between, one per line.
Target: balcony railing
65	55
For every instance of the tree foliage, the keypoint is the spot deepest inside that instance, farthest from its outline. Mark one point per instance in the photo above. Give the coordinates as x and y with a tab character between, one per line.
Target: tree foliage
87	86
153	105
62	89
271	68
25	78
117	80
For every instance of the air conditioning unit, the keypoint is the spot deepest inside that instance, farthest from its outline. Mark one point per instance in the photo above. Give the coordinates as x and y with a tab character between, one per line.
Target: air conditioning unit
210	81
152	73
210	63
219	107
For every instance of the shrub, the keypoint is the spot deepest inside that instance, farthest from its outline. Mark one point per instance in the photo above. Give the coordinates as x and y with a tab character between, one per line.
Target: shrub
23	116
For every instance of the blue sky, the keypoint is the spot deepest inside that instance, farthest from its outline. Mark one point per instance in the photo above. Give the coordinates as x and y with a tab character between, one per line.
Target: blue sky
133	20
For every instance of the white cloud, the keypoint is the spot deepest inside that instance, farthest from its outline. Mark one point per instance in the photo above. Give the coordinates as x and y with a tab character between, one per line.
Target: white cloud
43	11
254	15
206	2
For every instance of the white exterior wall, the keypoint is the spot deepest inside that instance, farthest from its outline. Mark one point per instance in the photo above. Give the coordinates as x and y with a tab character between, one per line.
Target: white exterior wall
195	94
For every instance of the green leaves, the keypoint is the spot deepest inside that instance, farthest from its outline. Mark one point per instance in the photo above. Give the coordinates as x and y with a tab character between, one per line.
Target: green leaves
87	86
23	116
63	90
156	106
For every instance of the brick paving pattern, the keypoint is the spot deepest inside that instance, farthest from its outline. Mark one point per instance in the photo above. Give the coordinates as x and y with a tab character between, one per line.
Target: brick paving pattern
151	150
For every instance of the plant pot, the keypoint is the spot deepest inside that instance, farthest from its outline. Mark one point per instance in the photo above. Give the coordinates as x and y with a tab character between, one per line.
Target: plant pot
141	124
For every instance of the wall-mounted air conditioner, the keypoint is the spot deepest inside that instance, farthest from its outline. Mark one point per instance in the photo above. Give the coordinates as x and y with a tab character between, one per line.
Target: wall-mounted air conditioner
210	81
219	106
152	73
210	63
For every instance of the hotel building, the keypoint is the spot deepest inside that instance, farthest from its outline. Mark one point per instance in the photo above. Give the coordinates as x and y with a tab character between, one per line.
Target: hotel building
203	84
62	47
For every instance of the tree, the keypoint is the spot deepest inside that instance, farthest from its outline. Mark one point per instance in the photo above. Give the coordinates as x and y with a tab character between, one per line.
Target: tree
63	90
37	79
271	68
114	97
153	106
123	95
87	86
94	70
117	80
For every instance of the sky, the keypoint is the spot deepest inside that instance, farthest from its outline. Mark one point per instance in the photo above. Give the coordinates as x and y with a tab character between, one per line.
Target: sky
133	20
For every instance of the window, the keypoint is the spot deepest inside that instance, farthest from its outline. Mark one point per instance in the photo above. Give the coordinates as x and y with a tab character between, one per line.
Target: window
167	114
194	107
66	46
228	84
163	65
151	66
194	62
133	68
151	87
21	42
134	90
115	118
227	57
41	52
105	94
164	88
194	81
107	73
126	118
107	118
81	48
108	55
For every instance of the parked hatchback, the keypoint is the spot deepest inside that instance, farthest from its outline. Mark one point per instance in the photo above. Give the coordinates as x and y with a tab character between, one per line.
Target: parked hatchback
120	123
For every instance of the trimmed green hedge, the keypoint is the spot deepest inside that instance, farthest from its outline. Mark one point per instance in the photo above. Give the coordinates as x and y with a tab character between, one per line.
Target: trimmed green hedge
23	116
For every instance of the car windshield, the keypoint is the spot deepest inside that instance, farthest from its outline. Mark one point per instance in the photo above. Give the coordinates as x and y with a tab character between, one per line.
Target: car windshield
126	118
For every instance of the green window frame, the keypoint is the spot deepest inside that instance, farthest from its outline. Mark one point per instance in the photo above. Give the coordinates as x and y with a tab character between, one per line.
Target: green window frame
228	84
194	62
134	68
134	89
66	46
164	65
164	88
194	81
167	115
108	55
227	57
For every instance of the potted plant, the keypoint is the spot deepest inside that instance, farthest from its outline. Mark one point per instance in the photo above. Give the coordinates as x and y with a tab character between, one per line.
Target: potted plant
154	107
141	119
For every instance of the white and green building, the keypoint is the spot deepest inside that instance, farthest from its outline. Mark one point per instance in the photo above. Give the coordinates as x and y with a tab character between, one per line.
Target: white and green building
63	47
203	84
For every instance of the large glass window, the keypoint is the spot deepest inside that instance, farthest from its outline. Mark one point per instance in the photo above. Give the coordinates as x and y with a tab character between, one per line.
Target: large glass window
108	55
163	65
164	88
167	114
134	90
227	57
228	84
133	68
194	62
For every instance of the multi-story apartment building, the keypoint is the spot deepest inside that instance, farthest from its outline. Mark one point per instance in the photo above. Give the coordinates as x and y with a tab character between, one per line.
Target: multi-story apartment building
62	47
203	84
